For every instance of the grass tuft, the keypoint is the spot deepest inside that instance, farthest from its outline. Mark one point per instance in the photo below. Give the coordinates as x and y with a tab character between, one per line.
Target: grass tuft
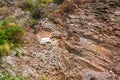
8	76
11	35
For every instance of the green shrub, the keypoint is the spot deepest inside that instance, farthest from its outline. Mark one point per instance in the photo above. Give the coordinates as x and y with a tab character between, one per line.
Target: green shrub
43	77
38	9
7	76
38	13
4	49
33	21
11	35
42	3
58	1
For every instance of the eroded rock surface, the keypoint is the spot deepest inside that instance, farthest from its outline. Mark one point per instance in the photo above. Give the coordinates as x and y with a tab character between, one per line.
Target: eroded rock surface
84	44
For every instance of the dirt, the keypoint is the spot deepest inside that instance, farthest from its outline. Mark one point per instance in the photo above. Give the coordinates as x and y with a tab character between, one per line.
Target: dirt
85	44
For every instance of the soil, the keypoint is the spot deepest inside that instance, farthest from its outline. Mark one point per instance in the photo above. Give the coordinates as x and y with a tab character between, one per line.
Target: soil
85	44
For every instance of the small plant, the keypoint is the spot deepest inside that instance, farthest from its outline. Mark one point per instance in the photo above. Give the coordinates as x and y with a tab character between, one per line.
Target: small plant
43	77
42	3
4	48
8	76
38	13
18	52
39	8
33	22
11	36
58	1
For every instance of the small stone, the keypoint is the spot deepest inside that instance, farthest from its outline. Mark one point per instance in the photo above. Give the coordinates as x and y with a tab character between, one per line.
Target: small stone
2	17
11	72
45	40
72	25
95	36
74	20
117	13
56	34
72	16
49	26
26	72
52	6
9	60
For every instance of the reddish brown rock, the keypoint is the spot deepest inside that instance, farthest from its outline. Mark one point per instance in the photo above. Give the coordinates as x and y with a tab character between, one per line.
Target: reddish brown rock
86	1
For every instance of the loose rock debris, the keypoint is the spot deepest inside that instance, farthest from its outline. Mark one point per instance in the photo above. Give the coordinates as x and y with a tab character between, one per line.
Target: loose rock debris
85	44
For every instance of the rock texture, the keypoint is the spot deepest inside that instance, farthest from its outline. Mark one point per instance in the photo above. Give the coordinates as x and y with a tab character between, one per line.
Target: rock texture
84	44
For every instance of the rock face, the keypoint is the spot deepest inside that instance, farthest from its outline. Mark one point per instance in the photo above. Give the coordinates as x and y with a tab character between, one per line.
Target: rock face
80	44
85	1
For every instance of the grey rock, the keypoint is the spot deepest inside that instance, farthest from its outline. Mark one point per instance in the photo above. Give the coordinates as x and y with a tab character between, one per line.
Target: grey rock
9	60
45	40
52	6
49	26
74	20
73	16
